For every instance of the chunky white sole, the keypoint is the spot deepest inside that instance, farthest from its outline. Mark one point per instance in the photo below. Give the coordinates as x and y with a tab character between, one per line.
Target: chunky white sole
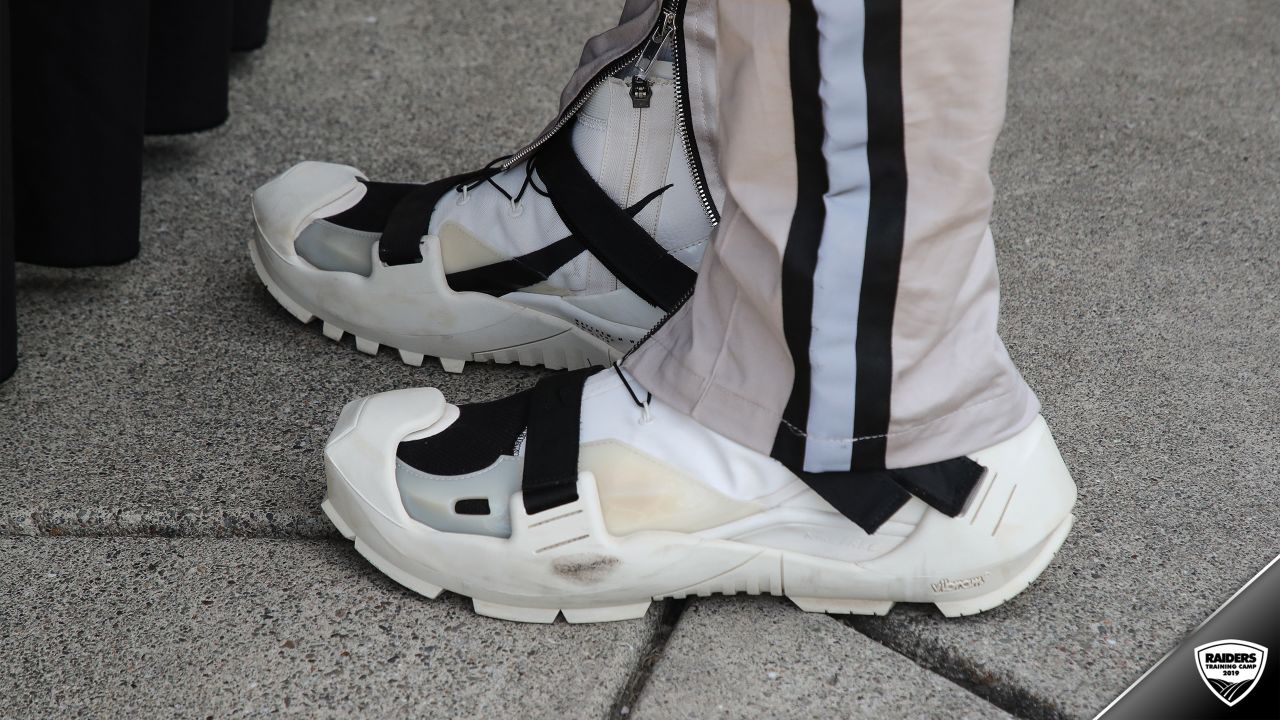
565	562
411	309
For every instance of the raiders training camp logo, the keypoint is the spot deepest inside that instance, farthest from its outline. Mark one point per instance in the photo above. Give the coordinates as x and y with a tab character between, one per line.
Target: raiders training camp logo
1230	668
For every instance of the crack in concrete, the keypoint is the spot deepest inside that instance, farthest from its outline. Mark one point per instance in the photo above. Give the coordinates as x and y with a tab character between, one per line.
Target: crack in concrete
253	524
943	661
624	705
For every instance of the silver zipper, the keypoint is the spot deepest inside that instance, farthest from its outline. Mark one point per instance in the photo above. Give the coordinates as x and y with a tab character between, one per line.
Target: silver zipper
660	32
641	90
569	114
654	330
670	15
668	25
686	137
704	195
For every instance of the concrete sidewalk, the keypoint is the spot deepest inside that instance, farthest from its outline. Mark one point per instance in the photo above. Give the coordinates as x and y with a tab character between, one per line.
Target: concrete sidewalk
1137	225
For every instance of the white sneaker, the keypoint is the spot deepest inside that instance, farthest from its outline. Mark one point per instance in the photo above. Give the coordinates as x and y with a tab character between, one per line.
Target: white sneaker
502	503
565	258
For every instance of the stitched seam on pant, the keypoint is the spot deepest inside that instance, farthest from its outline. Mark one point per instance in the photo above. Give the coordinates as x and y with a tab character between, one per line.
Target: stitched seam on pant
703	380
912	429
728	324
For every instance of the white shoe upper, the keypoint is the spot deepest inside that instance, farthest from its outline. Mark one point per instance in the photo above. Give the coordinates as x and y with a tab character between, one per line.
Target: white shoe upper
665	506
655	481
631	152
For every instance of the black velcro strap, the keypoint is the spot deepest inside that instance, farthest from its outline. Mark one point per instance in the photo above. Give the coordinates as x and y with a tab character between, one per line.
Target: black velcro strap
551	443
520	272
608	231
401	239
871	497
944	485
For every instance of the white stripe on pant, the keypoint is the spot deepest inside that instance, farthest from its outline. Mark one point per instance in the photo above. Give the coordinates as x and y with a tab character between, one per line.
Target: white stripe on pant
837	283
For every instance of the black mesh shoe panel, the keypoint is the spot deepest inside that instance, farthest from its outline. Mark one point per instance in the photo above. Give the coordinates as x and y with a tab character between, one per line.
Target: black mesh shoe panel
371	213
482	433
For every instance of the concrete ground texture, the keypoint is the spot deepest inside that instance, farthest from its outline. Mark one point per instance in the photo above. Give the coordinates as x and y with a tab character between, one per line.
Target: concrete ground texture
160	470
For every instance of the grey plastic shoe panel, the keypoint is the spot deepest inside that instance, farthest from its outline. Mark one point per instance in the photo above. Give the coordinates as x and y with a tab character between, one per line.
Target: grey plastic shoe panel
432	499
335	248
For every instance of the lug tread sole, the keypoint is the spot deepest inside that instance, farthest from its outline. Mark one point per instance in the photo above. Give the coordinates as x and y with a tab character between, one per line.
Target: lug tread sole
562	351
832	606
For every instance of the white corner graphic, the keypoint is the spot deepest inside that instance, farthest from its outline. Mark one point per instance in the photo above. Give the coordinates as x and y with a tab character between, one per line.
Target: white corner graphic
1231	668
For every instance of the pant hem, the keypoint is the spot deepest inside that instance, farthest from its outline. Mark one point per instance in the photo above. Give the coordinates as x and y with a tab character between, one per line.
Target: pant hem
958	433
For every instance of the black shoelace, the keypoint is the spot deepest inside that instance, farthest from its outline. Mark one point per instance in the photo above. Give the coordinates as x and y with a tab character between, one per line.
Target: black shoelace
644	406
494	168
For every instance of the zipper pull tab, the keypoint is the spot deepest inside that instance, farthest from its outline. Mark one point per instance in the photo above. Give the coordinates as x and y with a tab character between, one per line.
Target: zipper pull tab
668	27
641	91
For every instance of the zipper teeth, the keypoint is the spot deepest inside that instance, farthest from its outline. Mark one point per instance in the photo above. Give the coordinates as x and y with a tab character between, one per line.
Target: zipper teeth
698	183
686	140
573	109
685	137
654	330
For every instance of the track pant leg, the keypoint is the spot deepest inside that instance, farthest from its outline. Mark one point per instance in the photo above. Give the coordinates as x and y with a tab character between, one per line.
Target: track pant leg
845	314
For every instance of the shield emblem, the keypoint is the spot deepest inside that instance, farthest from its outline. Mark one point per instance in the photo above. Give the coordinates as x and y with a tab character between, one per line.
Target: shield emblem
1231	668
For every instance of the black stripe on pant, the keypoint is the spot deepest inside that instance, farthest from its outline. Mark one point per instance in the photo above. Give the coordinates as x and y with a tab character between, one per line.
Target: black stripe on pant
887	163
867	493
800	260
